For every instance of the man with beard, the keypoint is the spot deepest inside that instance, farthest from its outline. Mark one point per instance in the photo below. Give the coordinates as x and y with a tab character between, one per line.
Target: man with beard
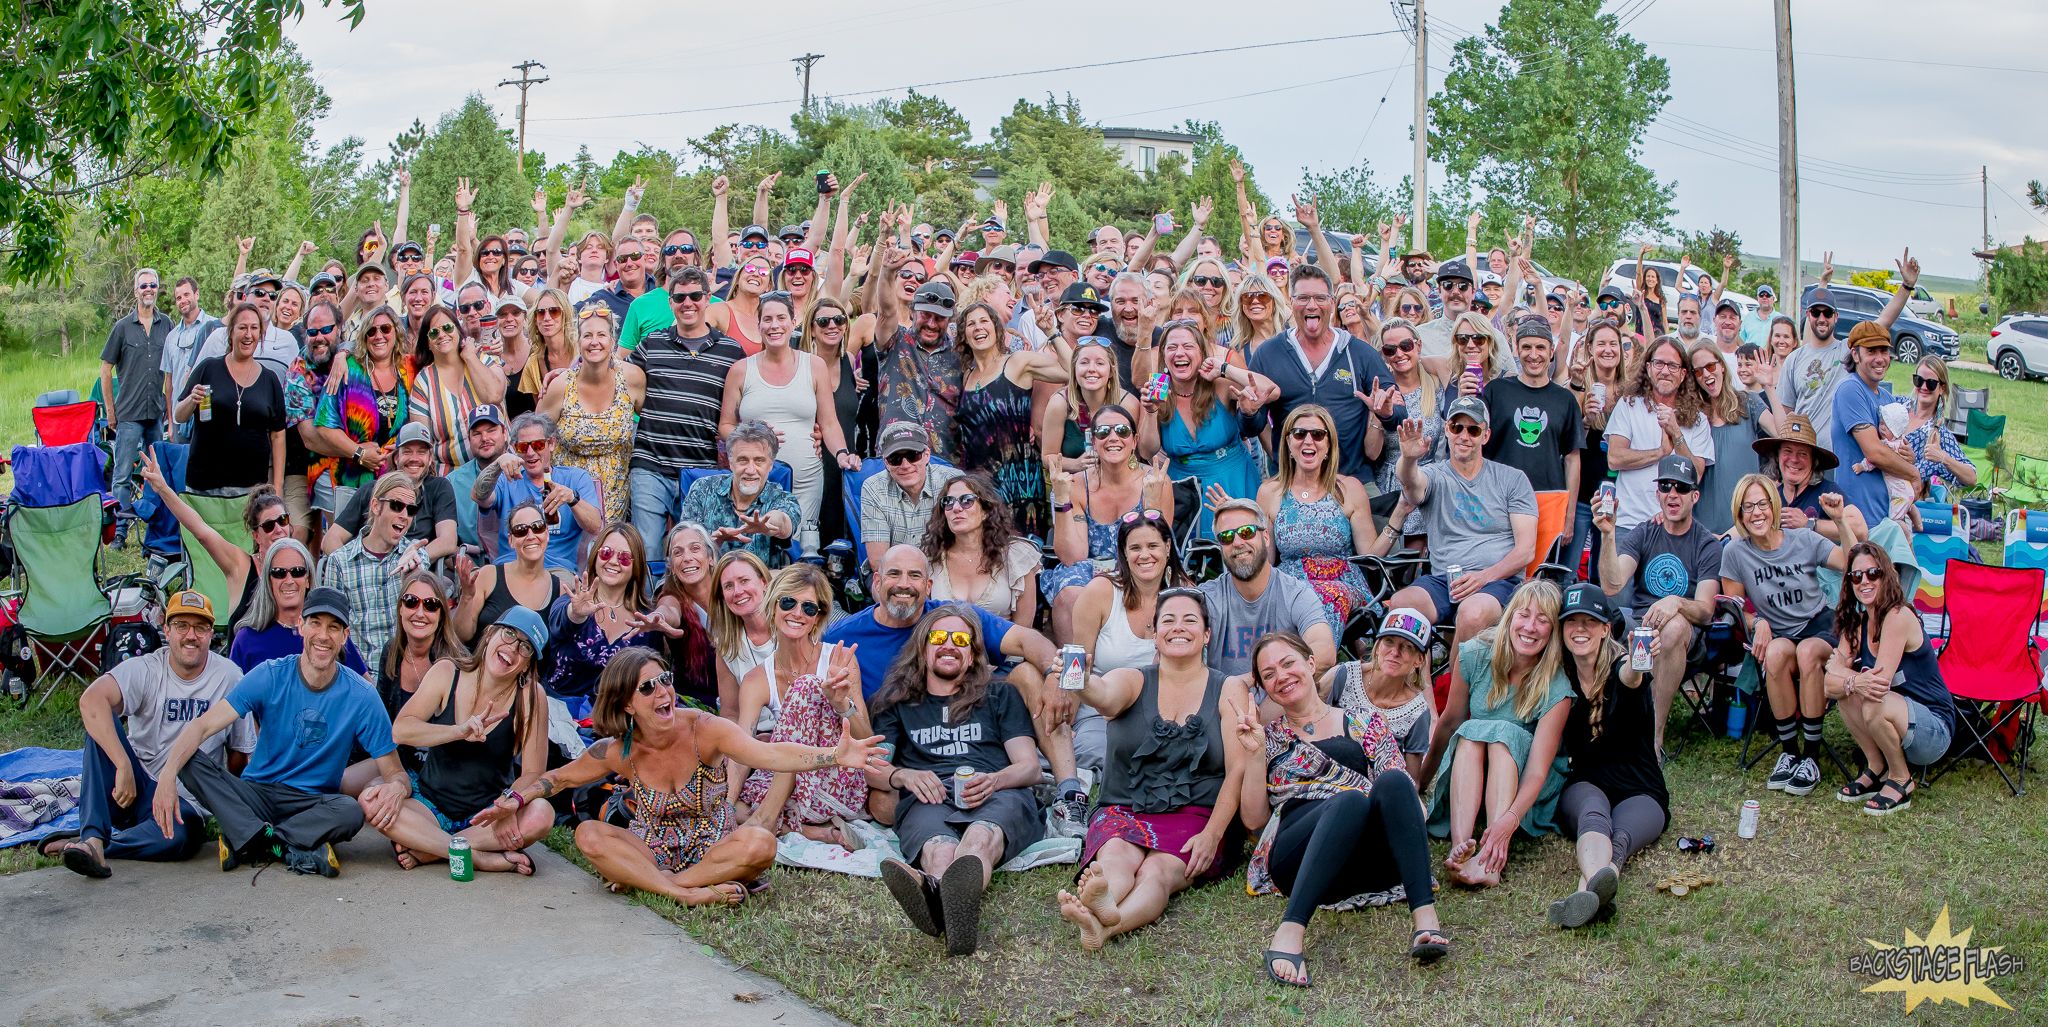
1689	319
486	445
1253	601
182	346
436	522
1859	400
156	694
919	368
1315	361
896	507
1454	284
1537	426
942	711
1728	332
1127	295
287	804
1480	517
1756	328
652	310
744	510
567	495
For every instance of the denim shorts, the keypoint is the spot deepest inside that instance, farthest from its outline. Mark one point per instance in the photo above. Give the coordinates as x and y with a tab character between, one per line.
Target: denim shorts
1439	589
1927	736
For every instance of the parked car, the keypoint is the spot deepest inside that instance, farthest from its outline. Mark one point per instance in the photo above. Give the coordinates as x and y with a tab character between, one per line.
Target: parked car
1924	306
2019	347
1623	272
1912	337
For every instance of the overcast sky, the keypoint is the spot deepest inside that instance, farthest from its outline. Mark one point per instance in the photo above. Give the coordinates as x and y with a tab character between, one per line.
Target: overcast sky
1913	134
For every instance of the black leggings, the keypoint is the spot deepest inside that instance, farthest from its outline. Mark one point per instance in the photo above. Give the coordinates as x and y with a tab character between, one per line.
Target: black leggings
1329	850
1631	824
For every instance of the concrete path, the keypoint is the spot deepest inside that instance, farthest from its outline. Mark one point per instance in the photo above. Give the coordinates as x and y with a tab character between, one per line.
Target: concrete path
183	944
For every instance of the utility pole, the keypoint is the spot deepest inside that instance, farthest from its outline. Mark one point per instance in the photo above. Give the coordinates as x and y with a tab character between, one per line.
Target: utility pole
1788	162
525	81
1984	200
804	68
1421	129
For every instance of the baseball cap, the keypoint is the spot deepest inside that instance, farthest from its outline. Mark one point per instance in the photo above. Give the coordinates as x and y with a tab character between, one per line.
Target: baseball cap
751	231
790	232
1489	278
323	278
328	600
933	298
1279	262
366	268
1581	599
1533	327
1821	298
1467	406
264	274
1453	269
943	233
995	223
191	603
527	623
1613	292
1407	624
1056	258
903	437
512	301
415	432
967	258
408	245
1674	467
1007	253
487	413
1765	290
797	256
1727	304
1081	294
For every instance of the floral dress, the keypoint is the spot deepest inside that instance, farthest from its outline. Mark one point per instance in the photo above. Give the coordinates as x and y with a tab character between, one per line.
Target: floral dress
1297	770
995	436
577	654
1311	542
600	443
807	716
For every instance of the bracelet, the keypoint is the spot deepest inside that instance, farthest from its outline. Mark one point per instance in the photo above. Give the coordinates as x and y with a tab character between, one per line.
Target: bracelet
892	777
1062	507
459	210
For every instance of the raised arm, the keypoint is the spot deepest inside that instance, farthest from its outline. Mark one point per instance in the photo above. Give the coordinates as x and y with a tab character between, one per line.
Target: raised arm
560	229
465	231
1408	469
762	190
1185	252
231	559
823	213
1909	277
404	206
1306	214
1037	226
1472	243
630	208
721	223
291	270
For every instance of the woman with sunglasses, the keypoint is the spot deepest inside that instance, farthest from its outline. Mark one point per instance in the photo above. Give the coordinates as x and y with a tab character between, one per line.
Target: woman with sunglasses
1093	384
1208	281
1889	686
361	411
1101	271
1115	617
975	553
423	634
493	269
1499	736
490	590
451	376
270	628
596	406
551	351
815	694
740	626
263	514
787	390
1938	456
683	841
1167	815
1422	393
526	274
1595	376
1202	419
992	423
828	334
682	612
1354	313
740	315
1257	312
1087	507
604	612
1474	343
480	726
1339	820
1320	518
1737	419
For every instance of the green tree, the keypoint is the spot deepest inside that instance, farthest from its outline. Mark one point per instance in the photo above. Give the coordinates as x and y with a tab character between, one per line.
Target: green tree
94	95
1546	110
1708	250
2019	277
468	143
1349	201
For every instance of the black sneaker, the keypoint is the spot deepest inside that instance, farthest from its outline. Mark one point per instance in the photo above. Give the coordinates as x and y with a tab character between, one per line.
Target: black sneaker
1781	773
320	861
1805	775
262	847
1070	816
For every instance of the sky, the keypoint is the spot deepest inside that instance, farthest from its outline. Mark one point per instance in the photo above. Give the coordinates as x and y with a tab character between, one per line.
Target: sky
1897	110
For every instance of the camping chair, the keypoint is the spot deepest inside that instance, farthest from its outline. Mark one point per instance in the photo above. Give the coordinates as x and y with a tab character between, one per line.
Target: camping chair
1993	670
63	419
64	603
1944	536
1713	664
1966	401
2026	541
224	515
2029	486
778	474
1554	513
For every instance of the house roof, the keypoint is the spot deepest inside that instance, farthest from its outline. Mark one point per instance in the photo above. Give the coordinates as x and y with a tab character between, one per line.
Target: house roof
1161	135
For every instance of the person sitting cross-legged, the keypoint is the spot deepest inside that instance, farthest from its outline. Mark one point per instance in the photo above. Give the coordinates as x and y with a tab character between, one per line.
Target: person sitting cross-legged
1480	517
156	694
288	803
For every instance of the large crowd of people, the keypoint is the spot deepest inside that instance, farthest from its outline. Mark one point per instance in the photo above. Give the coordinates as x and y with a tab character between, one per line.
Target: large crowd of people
1155	549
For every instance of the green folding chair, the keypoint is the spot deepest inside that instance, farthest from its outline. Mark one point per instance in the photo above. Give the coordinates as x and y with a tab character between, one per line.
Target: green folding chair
2029	487
224	515
64	604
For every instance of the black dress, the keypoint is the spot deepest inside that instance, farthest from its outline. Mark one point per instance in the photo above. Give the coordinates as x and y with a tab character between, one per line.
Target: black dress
231	448
1622	761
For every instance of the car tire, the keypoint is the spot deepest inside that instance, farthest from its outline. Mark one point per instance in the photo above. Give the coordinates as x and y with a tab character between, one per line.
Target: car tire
1906	349
2011	367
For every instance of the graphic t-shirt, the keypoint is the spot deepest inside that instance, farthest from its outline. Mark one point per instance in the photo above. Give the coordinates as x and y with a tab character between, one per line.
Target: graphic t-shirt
878	643
305	736
1667	564
157	704
1533	430
927	738
1468	521
1783	583
1237	623
1635	491
1807	381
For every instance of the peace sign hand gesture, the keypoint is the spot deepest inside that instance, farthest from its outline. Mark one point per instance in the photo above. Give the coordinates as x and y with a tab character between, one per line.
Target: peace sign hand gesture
842	682
478	727
1245	728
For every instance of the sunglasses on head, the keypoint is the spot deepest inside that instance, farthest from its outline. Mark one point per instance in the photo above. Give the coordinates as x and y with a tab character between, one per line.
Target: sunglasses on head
901	457
1403	346
959	639
266	527
1243	531
1926	384
1674	487
314	333
811	609
1871	575
959	501
530	446
674	248
1208	281
608	554
1136	515
413	602
656	683
401	506
529	528
1299	434
1465	428
281	573
1103	431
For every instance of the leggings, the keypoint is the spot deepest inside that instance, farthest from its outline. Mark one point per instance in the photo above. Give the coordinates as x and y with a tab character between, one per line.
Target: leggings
1329	850
1632	824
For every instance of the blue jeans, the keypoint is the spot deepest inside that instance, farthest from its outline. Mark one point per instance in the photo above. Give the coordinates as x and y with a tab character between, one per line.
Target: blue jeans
653	499
130	437
127	832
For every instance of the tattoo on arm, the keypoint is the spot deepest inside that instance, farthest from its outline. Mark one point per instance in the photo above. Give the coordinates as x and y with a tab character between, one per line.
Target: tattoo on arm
824	758
543	787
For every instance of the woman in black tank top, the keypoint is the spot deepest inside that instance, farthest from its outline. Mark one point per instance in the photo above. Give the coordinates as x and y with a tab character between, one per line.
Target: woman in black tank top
491	590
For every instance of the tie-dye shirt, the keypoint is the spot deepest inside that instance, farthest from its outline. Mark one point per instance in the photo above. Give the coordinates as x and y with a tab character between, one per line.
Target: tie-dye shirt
365	415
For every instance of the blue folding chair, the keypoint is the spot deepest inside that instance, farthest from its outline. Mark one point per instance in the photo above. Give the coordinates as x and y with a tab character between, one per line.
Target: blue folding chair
1944	535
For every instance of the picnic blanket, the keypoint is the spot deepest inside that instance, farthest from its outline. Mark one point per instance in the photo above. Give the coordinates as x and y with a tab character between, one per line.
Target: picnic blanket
38	793
879	843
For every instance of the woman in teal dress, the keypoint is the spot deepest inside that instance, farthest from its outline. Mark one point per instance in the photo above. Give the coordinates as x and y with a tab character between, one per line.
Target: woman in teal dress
1320	518
1499	735
1219	398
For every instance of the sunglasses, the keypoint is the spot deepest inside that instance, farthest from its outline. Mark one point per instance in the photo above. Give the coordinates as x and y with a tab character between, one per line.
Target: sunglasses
811	609
1103	431
899	459
548	312
1696	845
1299	434
314	333
413	602
529	528
148	287
1208	281
753	244
379	331
527	272
674	248
1244	531
959	502
1609	304
1871	575
1255	297
696	296
281	573
1404	346
594	310
656	683
473	307
401	506
754	271
628	258
1465	428
1107	269
830	321
491	253
1469	338
1136	515
444	328
622	557
1410	308
1922	384
1706	369
1454	286
960	639
1674	487
263	294
272	524
1820	312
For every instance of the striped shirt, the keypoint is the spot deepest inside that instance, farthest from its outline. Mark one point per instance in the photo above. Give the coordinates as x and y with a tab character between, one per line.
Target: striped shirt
445	405
371	588
685	389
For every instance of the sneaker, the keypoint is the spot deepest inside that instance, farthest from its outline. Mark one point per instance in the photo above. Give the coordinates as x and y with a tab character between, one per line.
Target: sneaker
1781	774
320	861
1070	817
1804	776
263	847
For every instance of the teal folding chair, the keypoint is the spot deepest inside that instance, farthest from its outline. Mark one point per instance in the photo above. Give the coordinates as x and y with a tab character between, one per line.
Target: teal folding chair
64	603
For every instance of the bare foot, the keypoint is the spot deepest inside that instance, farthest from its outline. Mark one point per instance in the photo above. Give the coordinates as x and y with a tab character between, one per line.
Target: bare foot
1075	912
503	862
405	857
1462	869
1095	893
826	833
616	888
724	893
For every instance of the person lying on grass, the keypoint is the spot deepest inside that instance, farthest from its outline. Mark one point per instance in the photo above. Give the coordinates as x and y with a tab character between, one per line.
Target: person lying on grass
1168	805
681	842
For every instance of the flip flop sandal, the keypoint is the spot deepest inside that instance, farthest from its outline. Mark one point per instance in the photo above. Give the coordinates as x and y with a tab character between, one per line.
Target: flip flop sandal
1427	952
53	838
960	892
1289	958
81	858
907	887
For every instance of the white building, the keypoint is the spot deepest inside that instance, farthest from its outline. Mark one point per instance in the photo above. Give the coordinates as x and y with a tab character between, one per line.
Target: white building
1141	149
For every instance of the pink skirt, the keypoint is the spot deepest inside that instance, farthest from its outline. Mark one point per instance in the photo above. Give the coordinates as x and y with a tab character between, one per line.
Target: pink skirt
1155	832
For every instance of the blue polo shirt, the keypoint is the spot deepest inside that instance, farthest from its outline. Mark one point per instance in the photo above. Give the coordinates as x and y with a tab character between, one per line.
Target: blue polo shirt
304	737
879	643
1352	366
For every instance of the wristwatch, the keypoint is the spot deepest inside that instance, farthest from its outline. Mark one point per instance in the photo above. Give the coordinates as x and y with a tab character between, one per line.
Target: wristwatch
514	796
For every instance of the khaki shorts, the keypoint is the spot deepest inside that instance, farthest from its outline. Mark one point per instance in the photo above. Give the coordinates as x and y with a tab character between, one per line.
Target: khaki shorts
298	495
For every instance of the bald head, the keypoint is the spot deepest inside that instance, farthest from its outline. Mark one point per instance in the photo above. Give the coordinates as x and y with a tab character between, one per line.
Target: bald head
903	582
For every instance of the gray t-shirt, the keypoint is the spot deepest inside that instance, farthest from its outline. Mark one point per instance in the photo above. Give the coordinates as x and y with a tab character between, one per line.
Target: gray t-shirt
1784	583
158	704
1236	623
1467	521
1667	564
1807	382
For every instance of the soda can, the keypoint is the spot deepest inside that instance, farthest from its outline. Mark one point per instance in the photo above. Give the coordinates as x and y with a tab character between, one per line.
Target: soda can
1746	826
1073	668
888	751
206	404
1639	642
1155	390
960	779
1453	573
1478	374
1606	500
460	866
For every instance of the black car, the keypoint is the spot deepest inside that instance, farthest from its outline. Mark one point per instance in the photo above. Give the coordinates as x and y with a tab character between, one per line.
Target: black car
1912	338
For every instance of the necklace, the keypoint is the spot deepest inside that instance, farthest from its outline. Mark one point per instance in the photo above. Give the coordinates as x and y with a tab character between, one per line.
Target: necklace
1308	728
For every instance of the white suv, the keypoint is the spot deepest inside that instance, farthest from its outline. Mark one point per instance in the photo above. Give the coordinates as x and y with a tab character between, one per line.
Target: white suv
2019	347
1623	272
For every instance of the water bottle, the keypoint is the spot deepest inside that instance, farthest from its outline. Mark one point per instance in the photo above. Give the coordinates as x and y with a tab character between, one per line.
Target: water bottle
1738	715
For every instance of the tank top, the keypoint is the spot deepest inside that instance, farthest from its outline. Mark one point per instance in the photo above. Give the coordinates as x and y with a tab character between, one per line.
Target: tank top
501	600
996	436
1918	678
1117	647
749	657
1155	765
462	777
775	692
790	409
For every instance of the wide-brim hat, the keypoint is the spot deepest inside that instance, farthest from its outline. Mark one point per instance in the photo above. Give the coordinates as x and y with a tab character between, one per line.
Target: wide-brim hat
1796	428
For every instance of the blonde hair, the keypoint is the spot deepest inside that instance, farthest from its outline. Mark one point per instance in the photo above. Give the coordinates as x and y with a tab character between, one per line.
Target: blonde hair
1530	690
797	577
1742	489
1244	334
1326	476
1401	298
728	633
1478	321
535	372
1429	387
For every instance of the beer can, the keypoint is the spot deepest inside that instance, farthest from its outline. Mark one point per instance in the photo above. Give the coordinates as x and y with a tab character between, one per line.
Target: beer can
1640	642
1073	667
888	751
960	779
1478	374
1746	826
1453	573
1155	390
460	866
206	405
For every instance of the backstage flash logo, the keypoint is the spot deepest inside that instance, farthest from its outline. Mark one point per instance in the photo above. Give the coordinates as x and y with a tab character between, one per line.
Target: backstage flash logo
1941	967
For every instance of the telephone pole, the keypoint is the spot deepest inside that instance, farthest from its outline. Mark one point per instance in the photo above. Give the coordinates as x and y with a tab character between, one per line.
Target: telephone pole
525	81
1788	163
1984	199
804	68
1421	129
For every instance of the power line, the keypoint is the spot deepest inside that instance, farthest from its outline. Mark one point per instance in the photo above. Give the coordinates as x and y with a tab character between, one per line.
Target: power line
1709	134
1381	106
1854	57
1261	92
2025	207
1640	11
1815	180
1002	75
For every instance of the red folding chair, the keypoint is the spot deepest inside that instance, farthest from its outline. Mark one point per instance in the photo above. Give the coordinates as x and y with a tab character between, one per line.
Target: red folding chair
1993	668
65	425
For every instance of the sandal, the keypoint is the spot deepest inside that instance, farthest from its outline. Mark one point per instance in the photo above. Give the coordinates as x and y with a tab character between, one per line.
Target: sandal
82	858
1288	958
1881	805
1866	784
1426	952
51	845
